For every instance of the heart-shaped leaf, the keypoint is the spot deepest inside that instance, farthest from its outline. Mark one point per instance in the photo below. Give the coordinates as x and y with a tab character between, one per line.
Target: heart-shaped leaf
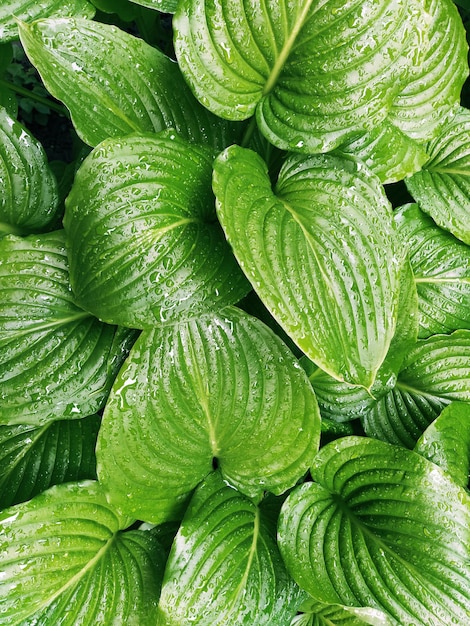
33	459
29	199
56	361
442	187
108	99
64	560
142	235
219	386
441	268
321	253
224	566
314	73
381	527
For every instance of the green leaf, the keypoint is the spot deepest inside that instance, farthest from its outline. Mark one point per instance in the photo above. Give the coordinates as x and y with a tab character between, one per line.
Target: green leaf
56	361
115	84
34	459
224	566
441	267
165	6
381	527
432	93
314	73
447	442
321	614
142	235
28	10
29	199
219	386
442	187
321	253
65	561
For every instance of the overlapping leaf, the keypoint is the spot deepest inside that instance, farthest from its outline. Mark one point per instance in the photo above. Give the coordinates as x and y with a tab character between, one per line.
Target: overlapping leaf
34	459
166	6
220	386
142	236
56	361
441	267
380	527
29	196
115	84
321	614
442	187
64	560
314	73
321	253
224	566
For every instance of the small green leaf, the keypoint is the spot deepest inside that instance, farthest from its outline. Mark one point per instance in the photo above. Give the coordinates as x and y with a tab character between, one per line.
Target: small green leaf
321	614
224	566
65	561
442	187
219	386
29	200
446	442
381	527
165	6
321	253
115	84
34	459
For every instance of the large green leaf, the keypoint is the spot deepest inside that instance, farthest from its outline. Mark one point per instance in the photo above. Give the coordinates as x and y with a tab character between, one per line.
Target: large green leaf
220	386
321	253
115	84
29	197
442	187
432	92
315	73
142	235
56	361
28	10
33	459
224	566
64	560
381	527
441	267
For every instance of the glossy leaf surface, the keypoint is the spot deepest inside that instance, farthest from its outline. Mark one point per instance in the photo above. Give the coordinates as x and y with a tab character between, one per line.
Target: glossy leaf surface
166	6
321	253
219	386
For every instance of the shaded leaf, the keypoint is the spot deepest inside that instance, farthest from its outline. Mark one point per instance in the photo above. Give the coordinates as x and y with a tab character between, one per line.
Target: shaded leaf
166	6
321	614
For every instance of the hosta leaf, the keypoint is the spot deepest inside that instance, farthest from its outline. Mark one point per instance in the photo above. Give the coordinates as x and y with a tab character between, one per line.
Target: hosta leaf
222	387
64	560
28	10
224	566
33	459
435	372
321	614
115	84
29	197
56	361
314	73
447	442
442	187
432	93
321	253
166	6
441	267
380	527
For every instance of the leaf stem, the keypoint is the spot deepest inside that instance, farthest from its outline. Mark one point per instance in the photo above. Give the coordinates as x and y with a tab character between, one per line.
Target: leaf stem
250	129
21	91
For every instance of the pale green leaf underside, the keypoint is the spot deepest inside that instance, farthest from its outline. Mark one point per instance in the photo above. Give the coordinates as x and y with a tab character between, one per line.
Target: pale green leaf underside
33	459
314	73
29	196
442	187
224	566
115	84
380	527
321	253
28	10
220	386
64	560
143	239
441	267
447	442
56	361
